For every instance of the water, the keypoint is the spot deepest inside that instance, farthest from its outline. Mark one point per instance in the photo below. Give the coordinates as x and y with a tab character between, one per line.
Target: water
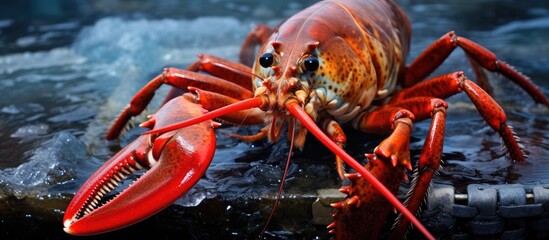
65	75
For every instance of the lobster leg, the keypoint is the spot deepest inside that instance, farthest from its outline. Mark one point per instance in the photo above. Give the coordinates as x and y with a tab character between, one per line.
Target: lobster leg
386	165
256	37
228	70
480	74
235	87
221	68
335	132
447	85
211	101
238	73
435	54
402	127
429	160
395	148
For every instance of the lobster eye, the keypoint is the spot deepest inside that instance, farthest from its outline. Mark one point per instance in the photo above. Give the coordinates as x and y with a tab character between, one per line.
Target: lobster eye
266	60
311	63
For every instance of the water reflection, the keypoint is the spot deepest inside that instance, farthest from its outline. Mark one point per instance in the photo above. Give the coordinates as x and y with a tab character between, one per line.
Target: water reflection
64	75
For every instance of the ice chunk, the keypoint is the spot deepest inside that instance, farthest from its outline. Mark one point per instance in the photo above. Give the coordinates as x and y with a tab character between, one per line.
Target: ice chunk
26	108
11	109
77	114
38	60
192	198
30	131
50	164
145	42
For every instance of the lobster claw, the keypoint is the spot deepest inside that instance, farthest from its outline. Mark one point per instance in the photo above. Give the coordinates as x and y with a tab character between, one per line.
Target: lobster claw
173	164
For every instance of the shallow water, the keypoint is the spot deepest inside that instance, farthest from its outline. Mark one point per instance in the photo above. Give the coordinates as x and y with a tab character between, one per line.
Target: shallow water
65	75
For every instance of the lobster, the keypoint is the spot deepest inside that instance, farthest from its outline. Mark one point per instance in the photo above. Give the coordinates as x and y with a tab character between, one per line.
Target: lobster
336	63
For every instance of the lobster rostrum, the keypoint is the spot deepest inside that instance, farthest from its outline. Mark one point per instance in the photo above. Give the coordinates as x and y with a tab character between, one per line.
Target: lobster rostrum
337	62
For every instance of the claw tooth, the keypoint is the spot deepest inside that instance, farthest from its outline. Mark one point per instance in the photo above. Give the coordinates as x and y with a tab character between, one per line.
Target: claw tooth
344	190
216	124
394	161
332	231
408	166
404	176
149	123
120	175
336	205
138	166
352	176
370	156
151	159
125	171
332	225
353	200
117	178
334	214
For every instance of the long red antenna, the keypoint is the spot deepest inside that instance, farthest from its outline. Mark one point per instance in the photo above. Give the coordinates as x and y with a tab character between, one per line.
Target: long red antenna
235	107
302	116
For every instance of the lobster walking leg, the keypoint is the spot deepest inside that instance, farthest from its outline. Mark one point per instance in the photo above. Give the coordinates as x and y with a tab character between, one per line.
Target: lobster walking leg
256	37
398	119
435	54
211	101
232	77
447	85
335	132
382	121
231	71
386	165
181	79
366	176
218	67
429	160
480	74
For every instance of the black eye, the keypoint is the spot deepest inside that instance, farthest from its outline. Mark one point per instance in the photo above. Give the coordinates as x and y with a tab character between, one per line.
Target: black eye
311	64
266	60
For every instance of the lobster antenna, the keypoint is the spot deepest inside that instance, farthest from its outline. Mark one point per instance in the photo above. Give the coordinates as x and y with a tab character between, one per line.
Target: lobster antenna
235	107
279	193
301	115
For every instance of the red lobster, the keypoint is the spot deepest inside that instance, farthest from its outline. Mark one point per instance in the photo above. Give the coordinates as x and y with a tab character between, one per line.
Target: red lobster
336	62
